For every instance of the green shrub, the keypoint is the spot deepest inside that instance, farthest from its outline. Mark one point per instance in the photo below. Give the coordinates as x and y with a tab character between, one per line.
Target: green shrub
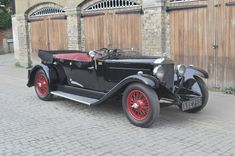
5	14
229	90
18	65
4	2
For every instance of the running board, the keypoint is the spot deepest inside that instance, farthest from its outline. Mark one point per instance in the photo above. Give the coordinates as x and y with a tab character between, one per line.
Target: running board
77	98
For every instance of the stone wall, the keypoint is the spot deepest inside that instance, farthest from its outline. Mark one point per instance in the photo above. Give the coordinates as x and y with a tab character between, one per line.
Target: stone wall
155	26
73	26
22	6
20	37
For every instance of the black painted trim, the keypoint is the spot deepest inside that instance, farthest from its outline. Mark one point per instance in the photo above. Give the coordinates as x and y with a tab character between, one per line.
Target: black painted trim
230	4
173	8
92	14
137	11
123	68
53	18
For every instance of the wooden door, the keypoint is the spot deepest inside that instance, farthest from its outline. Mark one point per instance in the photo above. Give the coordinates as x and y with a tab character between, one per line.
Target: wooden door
113	30
39	38
192	35
48	34
225	43
125	31
96	32
57	30
203	34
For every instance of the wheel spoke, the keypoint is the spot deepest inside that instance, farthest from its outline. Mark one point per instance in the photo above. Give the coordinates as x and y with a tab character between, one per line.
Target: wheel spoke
142	106
41	84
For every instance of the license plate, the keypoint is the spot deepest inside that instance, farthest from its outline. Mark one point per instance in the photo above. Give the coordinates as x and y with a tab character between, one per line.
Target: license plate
192	103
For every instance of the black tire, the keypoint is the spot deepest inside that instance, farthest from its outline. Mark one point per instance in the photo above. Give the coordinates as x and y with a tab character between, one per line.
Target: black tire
205	95
42	86
149	101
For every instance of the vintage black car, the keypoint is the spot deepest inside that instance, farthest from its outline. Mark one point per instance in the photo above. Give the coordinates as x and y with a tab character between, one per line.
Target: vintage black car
142	82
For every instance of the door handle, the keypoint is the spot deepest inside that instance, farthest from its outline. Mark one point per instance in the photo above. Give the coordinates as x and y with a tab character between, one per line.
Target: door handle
214	46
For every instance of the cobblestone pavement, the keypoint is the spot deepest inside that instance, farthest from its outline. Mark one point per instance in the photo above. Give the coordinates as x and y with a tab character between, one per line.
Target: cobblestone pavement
29	126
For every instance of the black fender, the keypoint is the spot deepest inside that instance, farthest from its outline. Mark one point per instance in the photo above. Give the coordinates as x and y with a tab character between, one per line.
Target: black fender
145	79
192	75
188	83
50	72
192	71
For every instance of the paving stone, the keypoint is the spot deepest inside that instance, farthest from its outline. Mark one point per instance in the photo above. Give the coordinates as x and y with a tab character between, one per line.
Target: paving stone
29	126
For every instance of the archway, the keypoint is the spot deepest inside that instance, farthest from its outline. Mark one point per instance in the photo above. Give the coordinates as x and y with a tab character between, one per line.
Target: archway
47	28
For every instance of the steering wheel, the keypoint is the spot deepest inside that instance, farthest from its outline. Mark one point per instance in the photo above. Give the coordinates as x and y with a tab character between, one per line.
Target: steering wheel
104	50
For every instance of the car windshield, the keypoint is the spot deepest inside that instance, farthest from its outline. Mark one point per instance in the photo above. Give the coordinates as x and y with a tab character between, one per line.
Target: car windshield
114	53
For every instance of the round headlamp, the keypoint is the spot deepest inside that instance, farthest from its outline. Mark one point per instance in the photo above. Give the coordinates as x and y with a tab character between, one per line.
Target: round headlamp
159	72
180	69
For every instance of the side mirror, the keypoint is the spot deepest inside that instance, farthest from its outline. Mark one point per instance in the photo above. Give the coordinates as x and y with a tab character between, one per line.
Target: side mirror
92	54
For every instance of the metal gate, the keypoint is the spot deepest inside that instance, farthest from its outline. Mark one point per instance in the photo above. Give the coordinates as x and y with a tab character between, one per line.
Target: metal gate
203	34
107	24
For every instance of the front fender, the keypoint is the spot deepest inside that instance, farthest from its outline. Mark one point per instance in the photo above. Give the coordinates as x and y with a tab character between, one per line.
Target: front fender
50	72
192	71
148	80
191	77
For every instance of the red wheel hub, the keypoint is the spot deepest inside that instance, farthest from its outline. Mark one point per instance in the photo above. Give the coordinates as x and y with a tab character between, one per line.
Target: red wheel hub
41	84
138	105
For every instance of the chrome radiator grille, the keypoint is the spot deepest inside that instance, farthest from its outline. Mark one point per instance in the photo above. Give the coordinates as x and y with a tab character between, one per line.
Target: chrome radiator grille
168	79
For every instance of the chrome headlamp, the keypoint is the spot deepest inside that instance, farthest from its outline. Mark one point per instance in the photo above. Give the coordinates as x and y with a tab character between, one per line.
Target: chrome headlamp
180	70
159	72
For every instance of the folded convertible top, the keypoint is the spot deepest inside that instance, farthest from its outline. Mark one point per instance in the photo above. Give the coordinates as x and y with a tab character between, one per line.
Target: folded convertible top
47	56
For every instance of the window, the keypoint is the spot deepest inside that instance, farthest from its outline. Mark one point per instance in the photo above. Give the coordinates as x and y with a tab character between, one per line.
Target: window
46	11
181	0
110	4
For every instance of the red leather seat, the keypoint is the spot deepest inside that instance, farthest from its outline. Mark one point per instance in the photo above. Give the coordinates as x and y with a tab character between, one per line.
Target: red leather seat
74	56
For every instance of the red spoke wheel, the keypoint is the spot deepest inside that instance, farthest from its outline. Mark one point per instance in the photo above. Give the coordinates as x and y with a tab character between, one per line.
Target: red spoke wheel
138	105
141	105
42	87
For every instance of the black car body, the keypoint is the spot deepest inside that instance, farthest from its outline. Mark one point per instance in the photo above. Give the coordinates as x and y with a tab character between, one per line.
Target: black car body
92	78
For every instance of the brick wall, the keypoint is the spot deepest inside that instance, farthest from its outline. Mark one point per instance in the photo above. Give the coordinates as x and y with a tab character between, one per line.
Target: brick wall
1	38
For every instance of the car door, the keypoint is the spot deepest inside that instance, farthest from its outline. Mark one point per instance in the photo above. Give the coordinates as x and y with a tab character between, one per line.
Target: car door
88	75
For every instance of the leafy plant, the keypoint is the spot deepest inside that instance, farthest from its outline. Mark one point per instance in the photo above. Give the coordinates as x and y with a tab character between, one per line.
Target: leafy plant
229	90
5	14
4	2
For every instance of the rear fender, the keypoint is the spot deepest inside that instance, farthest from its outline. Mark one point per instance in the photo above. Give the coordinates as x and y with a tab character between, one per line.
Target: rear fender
50	73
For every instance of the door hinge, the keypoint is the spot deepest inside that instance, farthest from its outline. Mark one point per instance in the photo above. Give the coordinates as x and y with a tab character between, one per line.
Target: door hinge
217	5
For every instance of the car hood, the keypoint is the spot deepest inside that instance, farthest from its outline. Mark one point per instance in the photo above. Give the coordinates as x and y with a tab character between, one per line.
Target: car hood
142	60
